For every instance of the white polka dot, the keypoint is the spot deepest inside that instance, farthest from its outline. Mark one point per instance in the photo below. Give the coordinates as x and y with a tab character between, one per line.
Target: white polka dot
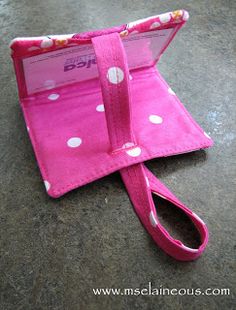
155	25
33	48
155	119
49	84
134	152
153	219
171	91
147	182
165	18
185	16
130	77
100	108
74	142
61	36
53	96
207	135
115	75
46	43
47	185
27	128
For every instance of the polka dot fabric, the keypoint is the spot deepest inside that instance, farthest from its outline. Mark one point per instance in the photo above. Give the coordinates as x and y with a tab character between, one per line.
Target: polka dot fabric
84	131
160	124
37	45
114	79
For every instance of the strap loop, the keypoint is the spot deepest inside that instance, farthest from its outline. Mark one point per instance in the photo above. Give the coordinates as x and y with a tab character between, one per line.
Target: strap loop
140	184
139	181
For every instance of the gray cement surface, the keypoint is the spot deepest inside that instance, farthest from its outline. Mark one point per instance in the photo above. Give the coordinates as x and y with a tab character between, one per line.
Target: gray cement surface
53	252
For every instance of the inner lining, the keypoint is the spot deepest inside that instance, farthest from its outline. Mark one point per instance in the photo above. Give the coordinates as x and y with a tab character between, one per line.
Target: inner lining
78	63
68	130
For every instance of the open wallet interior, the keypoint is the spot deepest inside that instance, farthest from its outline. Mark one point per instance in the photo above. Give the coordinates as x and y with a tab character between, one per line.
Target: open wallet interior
95	103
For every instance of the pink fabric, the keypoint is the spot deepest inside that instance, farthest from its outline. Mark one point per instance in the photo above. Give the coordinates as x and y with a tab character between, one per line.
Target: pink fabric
75	113
92	34
140	183
23	48
88	128
114	78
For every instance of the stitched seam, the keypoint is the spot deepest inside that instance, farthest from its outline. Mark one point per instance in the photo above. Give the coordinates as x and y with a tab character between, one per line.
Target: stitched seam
127	130
115	99
106	89
100	173
120	90
118	101
112	123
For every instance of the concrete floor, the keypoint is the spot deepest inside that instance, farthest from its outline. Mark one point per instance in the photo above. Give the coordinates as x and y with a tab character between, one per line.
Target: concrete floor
53	252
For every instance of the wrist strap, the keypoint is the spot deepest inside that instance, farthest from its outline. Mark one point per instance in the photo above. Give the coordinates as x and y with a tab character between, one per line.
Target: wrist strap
140	183
114	79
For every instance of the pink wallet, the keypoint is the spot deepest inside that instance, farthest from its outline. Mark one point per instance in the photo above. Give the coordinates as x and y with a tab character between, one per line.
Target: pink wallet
95	103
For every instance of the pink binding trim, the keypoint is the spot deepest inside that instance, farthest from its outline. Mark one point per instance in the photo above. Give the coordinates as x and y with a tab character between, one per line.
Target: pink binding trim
32	46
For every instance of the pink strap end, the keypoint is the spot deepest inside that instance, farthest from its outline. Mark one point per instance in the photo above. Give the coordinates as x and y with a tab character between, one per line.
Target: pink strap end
140	184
